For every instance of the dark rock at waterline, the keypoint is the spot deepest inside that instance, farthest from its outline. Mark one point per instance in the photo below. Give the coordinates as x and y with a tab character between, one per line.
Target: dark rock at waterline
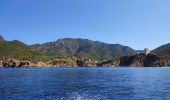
86	63
139	60
23	63
142	60
9	63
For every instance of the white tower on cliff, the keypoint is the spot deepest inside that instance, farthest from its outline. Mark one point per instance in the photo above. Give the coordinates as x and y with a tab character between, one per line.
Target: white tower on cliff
146	51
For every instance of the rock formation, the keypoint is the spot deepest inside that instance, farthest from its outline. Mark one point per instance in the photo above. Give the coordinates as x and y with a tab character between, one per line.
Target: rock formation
140	60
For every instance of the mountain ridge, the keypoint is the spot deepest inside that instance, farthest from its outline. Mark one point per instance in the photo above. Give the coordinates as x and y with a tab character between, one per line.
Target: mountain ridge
163	49
85	47
77	52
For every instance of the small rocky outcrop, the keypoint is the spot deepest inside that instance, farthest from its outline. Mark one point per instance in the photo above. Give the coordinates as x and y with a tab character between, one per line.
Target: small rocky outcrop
23	63
110	63
9	63
136	60
63	62
86	62
41	64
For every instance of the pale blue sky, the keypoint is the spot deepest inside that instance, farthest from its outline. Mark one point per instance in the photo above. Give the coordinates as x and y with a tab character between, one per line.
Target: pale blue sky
135	23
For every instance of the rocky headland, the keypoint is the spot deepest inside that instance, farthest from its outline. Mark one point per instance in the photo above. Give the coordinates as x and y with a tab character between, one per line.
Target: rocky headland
139	60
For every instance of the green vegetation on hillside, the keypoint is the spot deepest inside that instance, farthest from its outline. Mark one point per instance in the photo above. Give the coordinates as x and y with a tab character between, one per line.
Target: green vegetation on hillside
18	50
84	48
164	49
78	52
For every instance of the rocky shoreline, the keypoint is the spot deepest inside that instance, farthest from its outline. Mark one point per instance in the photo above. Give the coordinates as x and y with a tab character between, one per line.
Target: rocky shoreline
139	60
59	62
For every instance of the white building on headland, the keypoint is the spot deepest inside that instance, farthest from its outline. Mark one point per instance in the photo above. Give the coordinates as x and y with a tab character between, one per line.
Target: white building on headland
146	51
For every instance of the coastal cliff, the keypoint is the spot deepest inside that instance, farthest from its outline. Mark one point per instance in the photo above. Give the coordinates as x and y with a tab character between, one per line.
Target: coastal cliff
140	60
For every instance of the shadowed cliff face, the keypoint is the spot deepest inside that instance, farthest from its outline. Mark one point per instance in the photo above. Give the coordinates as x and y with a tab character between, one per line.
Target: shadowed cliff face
139	61
84	48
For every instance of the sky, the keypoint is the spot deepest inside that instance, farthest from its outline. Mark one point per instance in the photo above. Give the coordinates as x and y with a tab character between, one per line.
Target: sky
135	23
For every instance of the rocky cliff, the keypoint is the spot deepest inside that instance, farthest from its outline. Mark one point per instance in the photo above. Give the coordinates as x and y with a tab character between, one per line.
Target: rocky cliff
140	60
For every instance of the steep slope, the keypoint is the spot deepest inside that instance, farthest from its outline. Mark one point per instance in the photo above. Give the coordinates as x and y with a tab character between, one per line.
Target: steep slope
84	48
164	49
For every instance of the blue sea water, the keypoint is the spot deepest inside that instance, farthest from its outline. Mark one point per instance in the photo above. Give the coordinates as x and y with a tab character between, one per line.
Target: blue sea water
85	83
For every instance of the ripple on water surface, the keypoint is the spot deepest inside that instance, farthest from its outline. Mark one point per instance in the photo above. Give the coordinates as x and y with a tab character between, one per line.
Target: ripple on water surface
84	83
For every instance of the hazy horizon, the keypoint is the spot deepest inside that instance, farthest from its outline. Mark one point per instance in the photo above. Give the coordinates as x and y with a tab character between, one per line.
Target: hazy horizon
137	24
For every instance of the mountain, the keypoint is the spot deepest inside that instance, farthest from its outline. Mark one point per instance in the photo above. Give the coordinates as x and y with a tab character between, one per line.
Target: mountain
16	49
84	48
16	54
164	49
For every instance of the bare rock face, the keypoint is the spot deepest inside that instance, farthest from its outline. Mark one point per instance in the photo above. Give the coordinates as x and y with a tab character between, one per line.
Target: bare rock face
8	63
41	64
1	65
137	64
86	63
62	62
160	63
150	60
13	63
139	60
24	63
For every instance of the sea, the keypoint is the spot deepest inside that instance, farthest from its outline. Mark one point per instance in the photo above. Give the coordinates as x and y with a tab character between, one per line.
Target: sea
96	83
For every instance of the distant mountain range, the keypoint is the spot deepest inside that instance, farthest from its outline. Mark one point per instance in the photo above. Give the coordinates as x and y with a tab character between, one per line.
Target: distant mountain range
80	48
78	52
84	48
